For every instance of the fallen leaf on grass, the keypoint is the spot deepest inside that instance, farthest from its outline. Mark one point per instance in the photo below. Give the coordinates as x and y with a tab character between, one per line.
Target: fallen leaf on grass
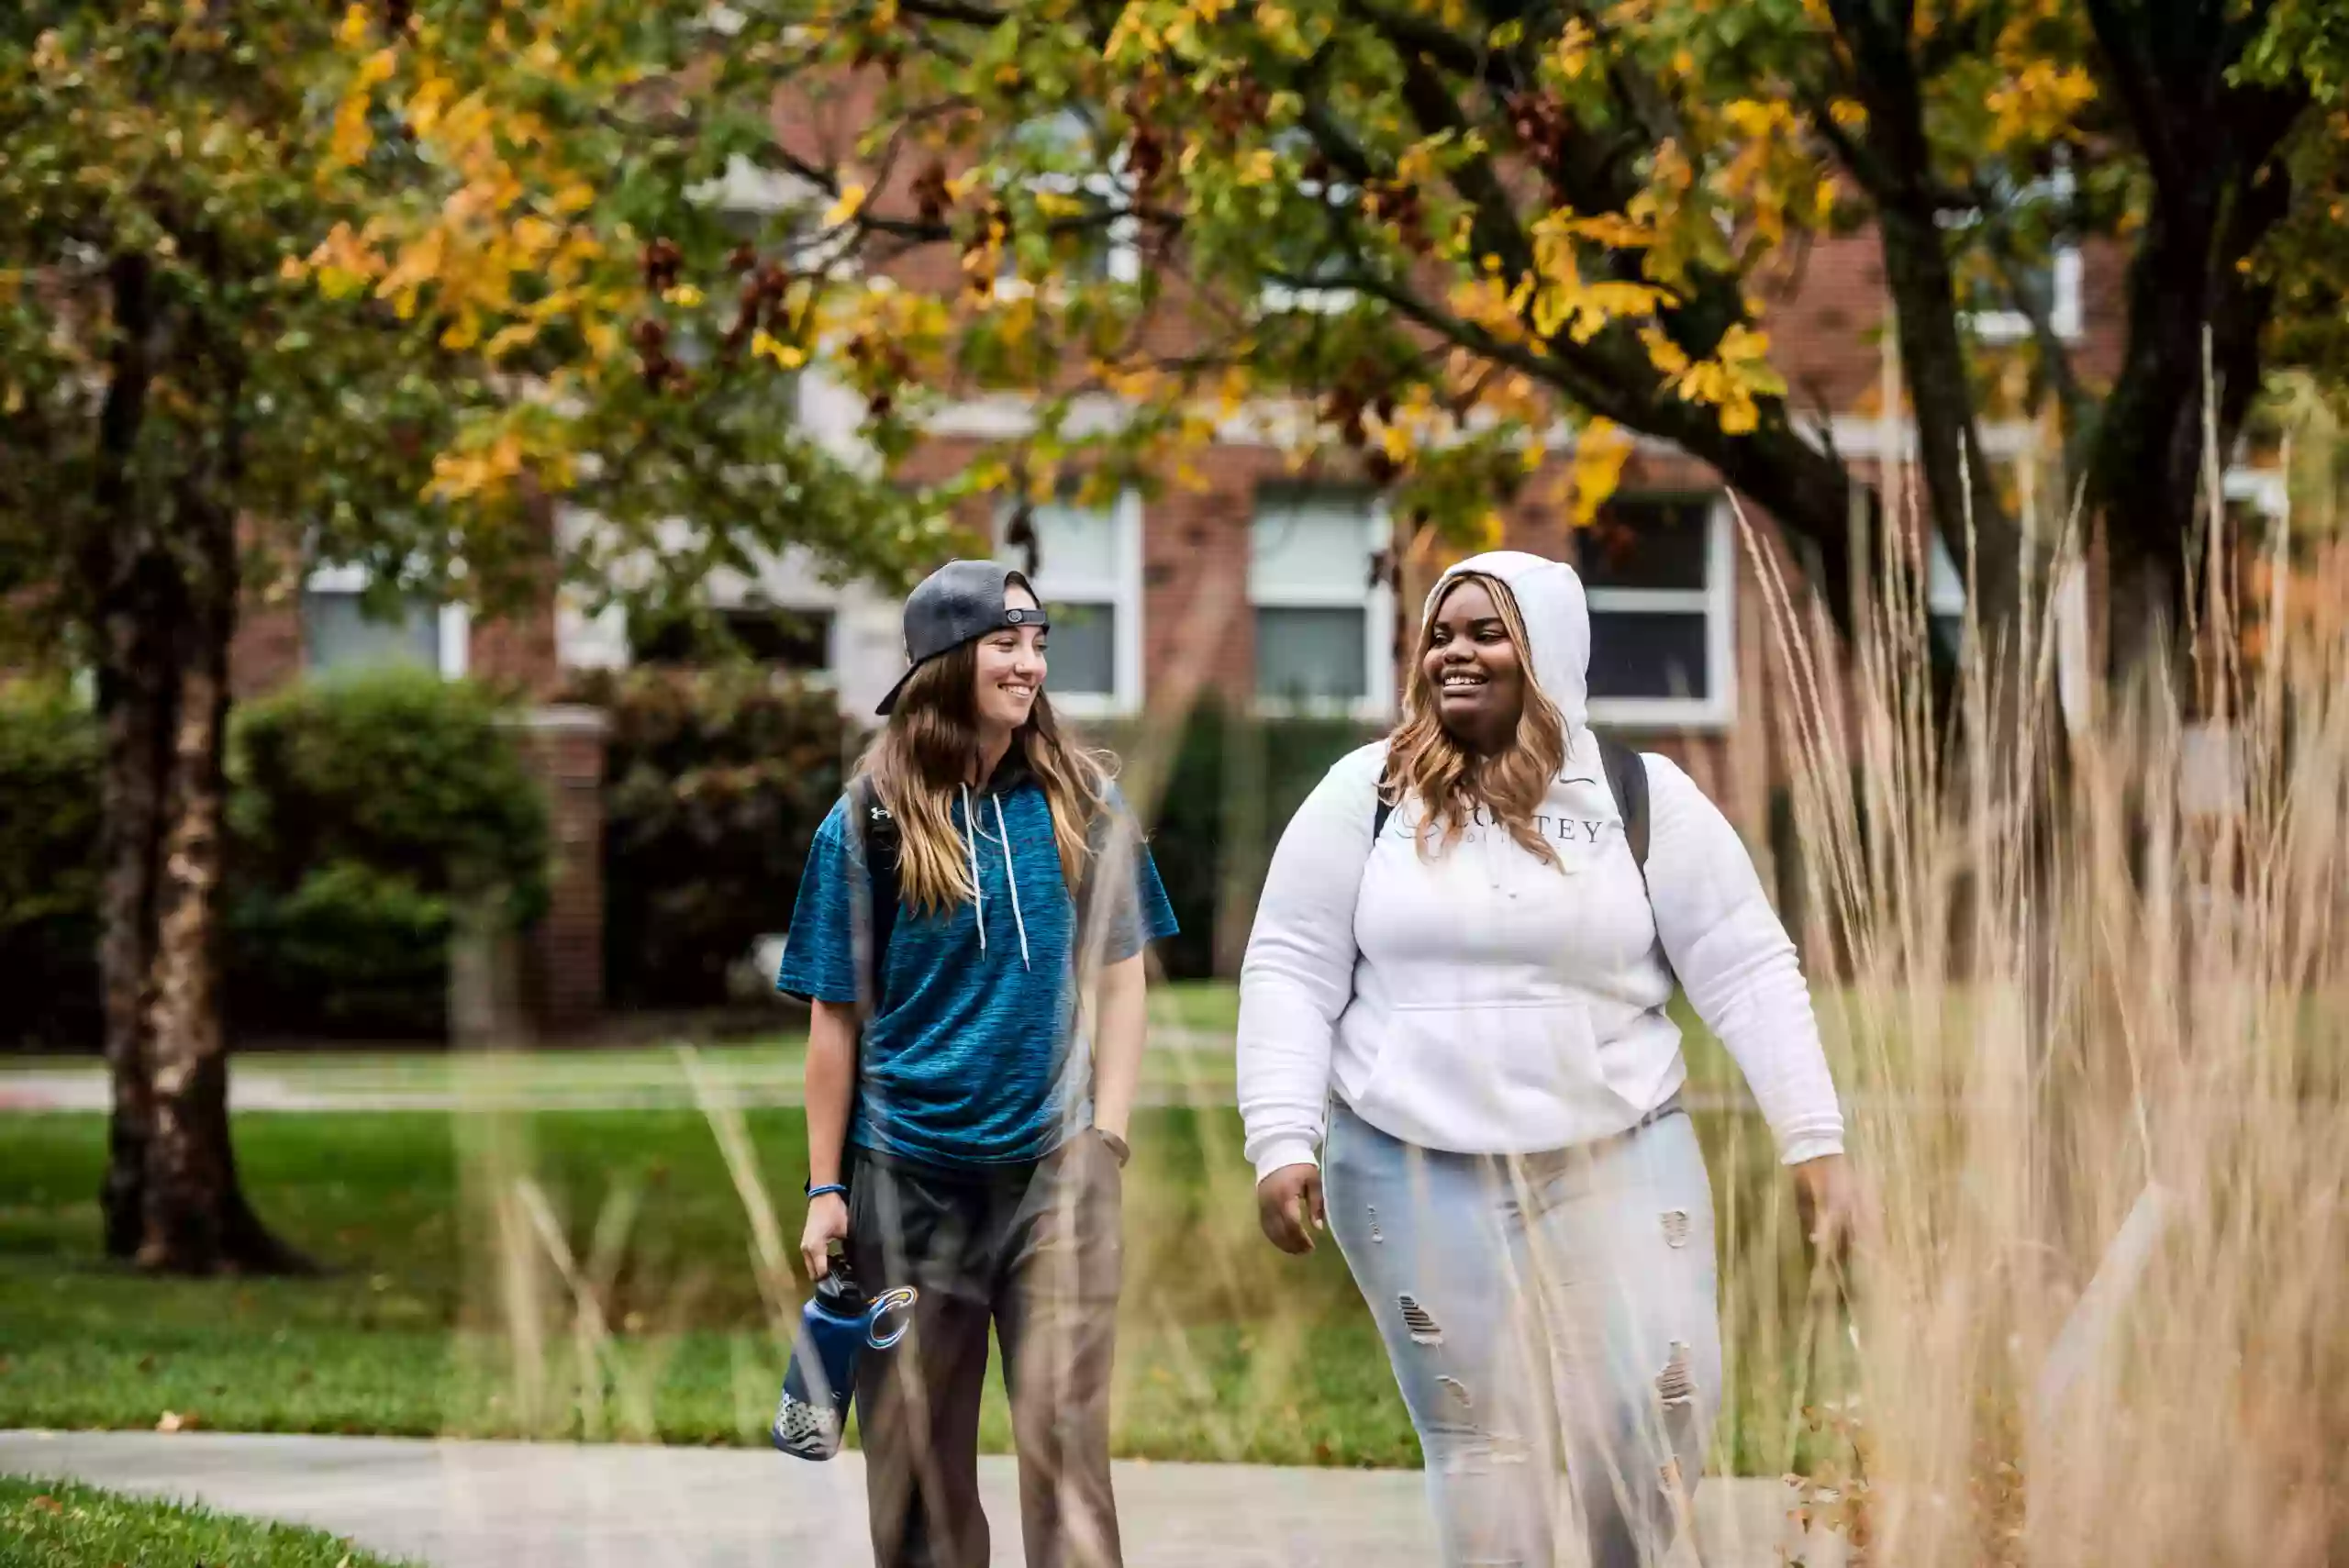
175	1421
47	1503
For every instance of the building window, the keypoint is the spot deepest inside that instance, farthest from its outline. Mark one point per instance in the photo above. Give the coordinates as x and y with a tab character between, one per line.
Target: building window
1085	564
1660	575
343	629
1324	630
1072	182
1945	589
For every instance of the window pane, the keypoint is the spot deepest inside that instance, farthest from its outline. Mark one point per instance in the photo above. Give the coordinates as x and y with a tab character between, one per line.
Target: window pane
1944	585
1644	654
1081	649
1076	546
337	634
1310	541
1308	655
1647	541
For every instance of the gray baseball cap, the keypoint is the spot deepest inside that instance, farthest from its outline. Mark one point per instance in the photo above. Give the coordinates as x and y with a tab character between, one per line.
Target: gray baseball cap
959	603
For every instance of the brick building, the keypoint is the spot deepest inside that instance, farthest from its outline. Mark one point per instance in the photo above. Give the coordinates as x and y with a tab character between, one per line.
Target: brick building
1256	586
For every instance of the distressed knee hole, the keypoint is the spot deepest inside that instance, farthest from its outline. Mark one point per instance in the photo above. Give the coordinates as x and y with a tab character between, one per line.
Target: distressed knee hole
1676	1384
1676	1227
1377	1234
1424	1328
1459	1391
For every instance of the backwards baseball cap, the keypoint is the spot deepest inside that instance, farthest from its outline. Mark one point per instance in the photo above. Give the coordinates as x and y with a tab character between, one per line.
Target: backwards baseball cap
959	603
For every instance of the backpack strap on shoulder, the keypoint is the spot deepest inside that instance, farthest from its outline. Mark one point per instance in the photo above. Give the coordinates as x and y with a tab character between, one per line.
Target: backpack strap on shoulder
1627	781
878	831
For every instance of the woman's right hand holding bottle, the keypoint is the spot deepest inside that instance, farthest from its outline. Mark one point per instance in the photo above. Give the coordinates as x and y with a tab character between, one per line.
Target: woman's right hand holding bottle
827	1223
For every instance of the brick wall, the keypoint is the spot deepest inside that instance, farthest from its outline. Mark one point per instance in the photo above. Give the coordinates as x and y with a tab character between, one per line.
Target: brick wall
266	652
516	650
562	957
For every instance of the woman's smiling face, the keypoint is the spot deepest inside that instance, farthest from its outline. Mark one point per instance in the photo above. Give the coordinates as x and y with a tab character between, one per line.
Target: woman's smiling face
1474	668
1012	666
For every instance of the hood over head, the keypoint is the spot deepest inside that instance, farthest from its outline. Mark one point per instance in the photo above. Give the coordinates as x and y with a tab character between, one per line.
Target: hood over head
1557	623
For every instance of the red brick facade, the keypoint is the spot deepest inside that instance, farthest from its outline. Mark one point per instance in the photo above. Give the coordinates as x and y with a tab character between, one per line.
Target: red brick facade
562	956
1825	312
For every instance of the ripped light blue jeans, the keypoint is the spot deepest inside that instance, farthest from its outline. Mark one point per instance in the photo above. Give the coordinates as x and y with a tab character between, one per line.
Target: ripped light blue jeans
1544	1312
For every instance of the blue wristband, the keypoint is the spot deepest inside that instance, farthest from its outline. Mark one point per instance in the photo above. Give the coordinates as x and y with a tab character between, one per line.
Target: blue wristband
828	1189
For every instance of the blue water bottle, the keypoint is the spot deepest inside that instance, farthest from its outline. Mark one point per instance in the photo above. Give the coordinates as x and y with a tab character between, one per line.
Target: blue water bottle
836	1324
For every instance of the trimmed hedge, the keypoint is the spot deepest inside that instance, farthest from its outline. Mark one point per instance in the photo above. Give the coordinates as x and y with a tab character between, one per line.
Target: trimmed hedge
1233	784
364	812
360	812
49	865
715	781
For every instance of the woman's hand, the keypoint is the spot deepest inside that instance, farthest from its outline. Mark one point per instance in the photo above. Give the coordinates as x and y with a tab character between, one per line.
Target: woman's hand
1289	1206
1834	1210
827	1223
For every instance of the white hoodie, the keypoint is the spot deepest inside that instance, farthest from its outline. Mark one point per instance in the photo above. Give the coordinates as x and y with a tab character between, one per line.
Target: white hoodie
1481	1001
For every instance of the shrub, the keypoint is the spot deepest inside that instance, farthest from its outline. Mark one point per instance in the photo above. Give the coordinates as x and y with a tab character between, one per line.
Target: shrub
1233	784
364	811
715	781
49	865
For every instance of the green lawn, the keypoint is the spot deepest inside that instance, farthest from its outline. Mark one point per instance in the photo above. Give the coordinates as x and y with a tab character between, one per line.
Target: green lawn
1228	1349
1187	1012
58	1524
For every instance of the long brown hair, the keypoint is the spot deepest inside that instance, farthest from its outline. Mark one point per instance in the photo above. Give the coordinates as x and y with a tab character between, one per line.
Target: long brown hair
1424	760
923	754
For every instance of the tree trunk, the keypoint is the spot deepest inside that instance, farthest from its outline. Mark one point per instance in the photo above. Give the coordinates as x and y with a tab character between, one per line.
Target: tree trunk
131	713
2197	310
164	580
129	604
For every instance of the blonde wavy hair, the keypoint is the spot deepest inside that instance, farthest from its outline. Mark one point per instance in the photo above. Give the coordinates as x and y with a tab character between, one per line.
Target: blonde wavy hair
921	757
1425	762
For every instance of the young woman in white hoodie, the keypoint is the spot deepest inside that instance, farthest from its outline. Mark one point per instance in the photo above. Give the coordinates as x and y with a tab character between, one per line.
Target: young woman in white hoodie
1451	1012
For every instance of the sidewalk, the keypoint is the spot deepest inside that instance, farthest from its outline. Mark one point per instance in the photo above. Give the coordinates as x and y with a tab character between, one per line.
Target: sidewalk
489	1505
1187	1064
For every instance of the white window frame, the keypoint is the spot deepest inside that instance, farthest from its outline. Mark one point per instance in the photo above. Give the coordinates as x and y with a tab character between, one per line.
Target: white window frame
456	620
2064	312
1717	601
1121	588
1378	605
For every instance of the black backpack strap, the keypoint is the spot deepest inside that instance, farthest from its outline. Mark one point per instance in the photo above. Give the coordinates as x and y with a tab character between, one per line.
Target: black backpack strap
1384	809
878	830
1627	781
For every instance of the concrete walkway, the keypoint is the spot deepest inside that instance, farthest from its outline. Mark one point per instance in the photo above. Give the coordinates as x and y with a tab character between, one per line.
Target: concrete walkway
489	1505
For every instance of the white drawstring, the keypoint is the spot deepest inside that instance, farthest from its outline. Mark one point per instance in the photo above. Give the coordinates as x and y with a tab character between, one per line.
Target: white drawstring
970	844
1017	919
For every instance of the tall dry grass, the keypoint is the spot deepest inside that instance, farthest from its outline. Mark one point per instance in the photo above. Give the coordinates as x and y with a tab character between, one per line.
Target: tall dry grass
2094	1027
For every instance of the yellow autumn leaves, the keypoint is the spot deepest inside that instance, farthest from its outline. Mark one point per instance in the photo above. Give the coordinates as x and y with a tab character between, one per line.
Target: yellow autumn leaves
502	255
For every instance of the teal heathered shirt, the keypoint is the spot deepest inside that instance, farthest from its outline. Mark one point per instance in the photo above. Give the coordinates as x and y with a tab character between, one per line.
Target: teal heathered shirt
970	1058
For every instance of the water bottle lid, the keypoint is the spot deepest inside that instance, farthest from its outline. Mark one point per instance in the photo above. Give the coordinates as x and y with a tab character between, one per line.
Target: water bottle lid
839	1293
